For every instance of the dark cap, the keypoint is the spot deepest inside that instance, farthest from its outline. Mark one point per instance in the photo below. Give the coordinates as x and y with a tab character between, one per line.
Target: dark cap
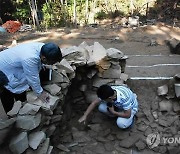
52	52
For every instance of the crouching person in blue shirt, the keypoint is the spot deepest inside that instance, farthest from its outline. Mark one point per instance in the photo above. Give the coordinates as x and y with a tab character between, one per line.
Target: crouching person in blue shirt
115	101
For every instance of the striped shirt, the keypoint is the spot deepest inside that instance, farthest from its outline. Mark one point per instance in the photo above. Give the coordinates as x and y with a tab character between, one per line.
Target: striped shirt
126	99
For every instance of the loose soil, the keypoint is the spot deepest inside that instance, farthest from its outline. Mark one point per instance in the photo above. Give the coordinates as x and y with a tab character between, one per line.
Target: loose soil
145	40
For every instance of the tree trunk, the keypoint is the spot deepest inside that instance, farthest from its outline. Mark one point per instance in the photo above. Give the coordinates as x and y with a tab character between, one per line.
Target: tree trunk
74	14
86	12
62	3
65	2
132	7
106	3
1	22
34	14
94	9
147	8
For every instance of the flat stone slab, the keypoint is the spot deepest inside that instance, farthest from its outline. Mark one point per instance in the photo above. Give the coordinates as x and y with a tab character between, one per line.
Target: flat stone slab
149	60
152	66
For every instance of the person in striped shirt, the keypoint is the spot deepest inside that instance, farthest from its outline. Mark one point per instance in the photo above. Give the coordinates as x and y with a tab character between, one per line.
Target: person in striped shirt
115	101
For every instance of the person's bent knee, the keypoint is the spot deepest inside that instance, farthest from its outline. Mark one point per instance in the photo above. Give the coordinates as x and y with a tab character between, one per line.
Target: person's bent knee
122	124
102	108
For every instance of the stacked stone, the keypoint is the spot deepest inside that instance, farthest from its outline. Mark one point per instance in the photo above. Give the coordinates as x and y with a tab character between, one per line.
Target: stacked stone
103	67
35	121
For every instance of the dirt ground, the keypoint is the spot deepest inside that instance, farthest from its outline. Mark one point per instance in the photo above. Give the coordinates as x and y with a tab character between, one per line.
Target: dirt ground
145	40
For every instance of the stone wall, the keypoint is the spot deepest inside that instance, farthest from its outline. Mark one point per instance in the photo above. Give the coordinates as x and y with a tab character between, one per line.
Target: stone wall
33	122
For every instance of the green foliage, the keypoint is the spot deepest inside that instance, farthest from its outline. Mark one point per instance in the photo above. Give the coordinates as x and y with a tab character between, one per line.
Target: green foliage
54	14
22	11
46	15
49	12
22	14
18	2
57	14
115	14
7	8
101	15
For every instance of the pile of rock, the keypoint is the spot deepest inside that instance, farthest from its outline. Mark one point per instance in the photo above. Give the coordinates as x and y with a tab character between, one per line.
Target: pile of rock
34	122
160	120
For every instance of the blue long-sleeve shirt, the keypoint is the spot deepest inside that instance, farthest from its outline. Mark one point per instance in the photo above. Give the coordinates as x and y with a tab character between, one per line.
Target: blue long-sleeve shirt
21	64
